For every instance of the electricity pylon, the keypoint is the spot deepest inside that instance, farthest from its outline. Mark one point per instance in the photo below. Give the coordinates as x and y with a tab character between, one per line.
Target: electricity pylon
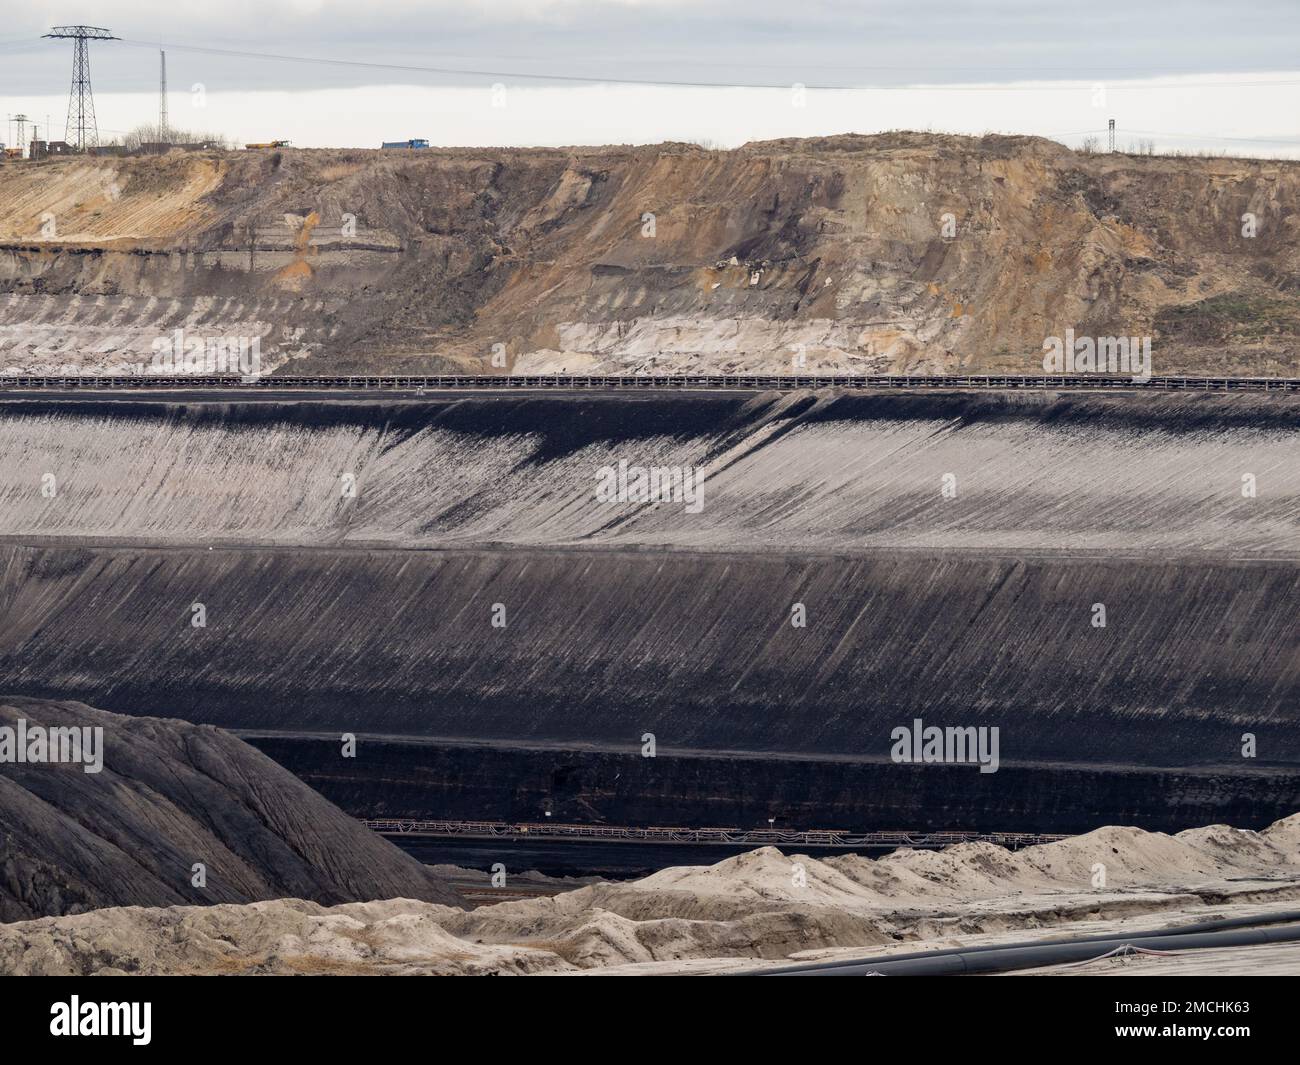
81	103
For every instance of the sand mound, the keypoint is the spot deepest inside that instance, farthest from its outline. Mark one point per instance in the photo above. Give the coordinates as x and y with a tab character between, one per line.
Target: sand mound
1128	854
963	871
764	875
1239	849
759	905
1285	836
764	904
285	936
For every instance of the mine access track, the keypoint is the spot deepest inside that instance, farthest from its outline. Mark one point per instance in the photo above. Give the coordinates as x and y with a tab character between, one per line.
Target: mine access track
651	382
742	837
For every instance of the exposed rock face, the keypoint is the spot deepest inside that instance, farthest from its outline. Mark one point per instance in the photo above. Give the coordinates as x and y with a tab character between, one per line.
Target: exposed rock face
170	795
759	905
902	252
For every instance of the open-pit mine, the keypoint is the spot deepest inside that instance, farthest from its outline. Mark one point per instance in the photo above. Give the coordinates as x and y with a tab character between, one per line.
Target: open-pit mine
540	605
441	578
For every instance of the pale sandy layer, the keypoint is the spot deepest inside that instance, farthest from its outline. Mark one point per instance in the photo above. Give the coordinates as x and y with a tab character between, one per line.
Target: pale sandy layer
757	907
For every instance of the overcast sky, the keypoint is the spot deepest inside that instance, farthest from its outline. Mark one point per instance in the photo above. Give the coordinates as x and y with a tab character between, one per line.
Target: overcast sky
1197	73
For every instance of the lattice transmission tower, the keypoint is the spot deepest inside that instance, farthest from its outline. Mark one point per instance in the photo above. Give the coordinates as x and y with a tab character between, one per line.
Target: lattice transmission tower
81	129
21	122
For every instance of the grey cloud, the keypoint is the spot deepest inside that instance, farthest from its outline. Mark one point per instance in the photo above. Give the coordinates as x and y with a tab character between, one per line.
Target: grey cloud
759	41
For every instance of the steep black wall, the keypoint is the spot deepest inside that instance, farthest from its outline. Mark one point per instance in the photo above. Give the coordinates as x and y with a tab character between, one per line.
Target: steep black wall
373	614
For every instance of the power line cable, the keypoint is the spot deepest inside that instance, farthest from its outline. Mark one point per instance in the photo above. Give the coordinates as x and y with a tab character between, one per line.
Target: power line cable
1086	71
594	79
670	83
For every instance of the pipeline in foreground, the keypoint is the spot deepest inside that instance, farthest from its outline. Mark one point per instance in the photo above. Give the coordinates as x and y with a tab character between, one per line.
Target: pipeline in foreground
959	961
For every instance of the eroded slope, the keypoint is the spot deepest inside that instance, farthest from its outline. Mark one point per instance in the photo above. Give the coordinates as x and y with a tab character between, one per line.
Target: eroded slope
1115	475
898	252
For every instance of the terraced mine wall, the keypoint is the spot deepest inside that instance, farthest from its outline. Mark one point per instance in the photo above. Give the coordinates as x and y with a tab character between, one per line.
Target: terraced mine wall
440	579
897	253
465	781
1119	475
